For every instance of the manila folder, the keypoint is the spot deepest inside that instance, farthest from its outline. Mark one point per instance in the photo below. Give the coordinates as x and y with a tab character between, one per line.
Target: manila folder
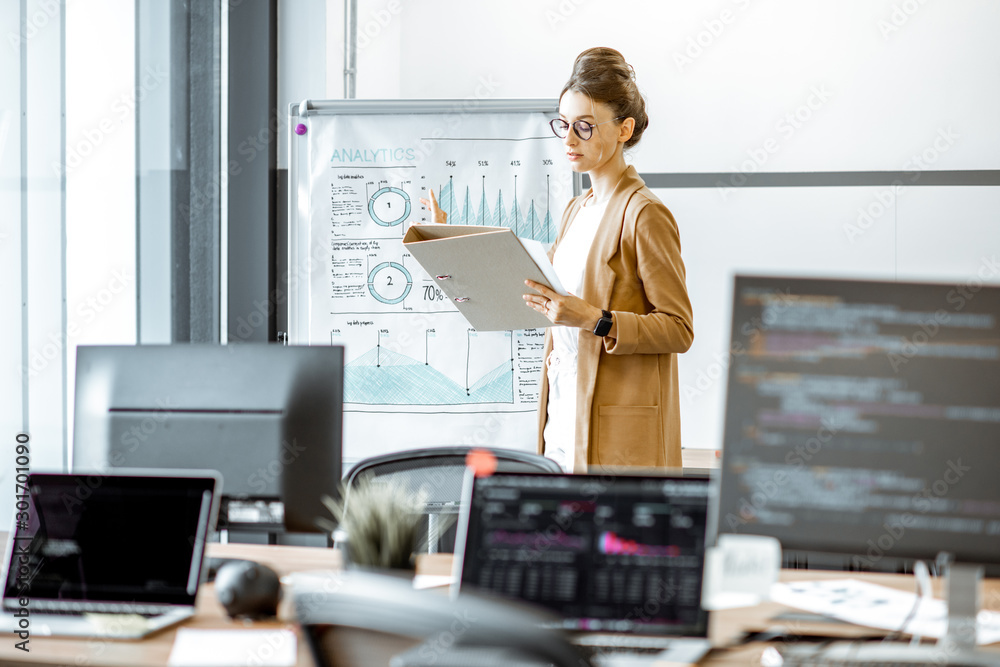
482	270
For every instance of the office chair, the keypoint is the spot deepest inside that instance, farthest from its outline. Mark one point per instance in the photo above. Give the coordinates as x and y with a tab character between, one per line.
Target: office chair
438	472
470	630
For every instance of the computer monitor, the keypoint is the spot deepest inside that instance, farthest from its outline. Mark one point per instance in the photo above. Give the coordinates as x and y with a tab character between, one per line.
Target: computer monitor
609	553
268	417
863	419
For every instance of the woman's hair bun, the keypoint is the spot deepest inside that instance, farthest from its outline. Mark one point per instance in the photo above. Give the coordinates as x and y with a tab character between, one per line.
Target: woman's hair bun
603	75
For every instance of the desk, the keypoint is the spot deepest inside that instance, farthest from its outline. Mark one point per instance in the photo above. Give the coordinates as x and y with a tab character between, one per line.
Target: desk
155	650
725	626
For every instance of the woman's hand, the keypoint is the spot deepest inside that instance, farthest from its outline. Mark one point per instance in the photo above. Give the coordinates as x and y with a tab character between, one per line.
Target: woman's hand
567	310
437	215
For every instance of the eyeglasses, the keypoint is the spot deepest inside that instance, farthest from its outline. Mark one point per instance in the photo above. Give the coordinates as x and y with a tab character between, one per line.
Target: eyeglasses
583	129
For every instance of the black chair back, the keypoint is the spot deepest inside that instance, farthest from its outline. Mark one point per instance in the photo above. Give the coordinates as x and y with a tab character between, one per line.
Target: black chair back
438	473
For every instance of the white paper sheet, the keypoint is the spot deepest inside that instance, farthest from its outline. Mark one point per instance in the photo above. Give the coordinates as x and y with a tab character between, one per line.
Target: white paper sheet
422	581
414	375
224	648
877	606
540	256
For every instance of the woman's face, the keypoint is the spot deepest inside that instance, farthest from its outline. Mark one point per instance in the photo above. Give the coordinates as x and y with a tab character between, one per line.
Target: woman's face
592	154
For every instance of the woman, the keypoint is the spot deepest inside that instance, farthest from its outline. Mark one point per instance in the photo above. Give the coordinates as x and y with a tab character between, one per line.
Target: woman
610	396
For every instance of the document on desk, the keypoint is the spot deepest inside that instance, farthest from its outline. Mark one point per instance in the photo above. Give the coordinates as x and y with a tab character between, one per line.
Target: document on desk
875	606
482	271
222	648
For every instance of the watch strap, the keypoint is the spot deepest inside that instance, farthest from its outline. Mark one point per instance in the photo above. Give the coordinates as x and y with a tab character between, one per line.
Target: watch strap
604	324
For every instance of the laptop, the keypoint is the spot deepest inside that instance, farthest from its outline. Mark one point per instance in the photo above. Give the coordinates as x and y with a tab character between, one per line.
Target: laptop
107	555
619	558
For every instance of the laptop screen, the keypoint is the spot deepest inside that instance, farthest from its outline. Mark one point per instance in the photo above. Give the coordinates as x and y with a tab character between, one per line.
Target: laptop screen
99	538
606	553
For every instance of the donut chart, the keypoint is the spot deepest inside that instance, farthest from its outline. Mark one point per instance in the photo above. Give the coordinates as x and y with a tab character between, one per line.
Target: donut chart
389	206
390	282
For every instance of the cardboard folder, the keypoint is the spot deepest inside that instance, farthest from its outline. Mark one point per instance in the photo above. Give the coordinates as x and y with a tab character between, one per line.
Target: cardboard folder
482	270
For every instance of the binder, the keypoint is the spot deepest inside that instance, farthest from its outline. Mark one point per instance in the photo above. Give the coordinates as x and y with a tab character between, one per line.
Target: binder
482	270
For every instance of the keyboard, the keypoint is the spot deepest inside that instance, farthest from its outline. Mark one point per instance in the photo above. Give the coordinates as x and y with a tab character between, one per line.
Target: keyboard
613	642
883	654
612	650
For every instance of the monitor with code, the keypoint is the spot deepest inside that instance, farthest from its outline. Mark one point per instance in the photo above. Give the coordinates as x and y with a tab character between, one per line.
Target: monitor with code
863	418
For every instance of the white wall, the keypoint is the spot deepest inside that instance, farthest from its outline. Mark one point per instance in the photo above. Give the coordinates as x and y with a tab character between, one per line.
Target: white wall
741	86
712	97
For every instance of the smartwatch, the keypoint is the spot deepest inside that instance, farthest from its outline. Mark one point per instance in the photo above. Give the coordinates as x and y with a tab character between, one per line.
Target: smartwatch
603	324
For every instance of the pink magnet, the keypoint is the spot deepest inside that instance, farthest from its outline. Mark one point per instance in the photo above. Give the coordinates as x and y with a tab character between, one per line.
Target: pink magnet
301	129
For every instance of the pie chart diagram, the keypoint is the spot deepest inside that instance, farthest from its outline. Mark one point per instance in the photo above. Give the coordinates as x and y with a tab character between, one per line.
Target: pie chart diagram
389	207
390	282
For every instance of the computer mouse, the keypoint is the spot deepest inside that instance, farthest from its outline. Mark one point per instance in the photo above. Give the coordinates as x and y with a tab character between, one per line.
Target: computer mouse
213	563
246	588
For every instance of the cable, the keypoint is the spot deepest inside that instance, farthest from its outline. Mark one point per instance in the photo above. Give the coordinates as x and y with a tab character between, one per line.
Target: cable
923	579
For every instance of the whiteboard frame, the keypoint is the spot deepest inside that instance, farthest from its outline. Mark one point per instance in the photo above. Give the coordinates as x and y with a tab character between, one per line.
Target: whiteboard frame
298	310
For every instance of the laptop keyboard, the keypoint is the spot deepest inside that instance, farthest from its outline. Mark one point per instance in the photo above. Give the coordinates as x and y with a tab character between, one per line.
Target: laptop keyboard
612	643
60	609
593	652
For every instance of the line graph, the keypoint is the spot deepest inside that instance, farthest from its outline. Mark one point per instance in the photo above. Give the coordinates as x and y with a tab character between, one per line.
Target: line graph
475	206
382	376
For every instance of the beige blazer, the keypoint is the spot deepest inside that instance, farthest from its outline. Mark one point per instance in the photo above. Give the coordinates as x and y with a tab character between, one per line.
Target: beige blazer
628	408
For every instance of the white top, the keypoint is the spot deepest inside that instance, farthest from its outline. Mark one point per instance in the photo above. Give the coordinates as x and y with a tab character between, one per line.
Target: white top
569	263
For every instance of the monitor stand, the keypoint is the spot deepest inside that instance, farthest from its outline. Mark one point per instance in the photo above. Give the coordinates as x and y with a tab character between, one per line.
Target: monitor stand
962	590
957	647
